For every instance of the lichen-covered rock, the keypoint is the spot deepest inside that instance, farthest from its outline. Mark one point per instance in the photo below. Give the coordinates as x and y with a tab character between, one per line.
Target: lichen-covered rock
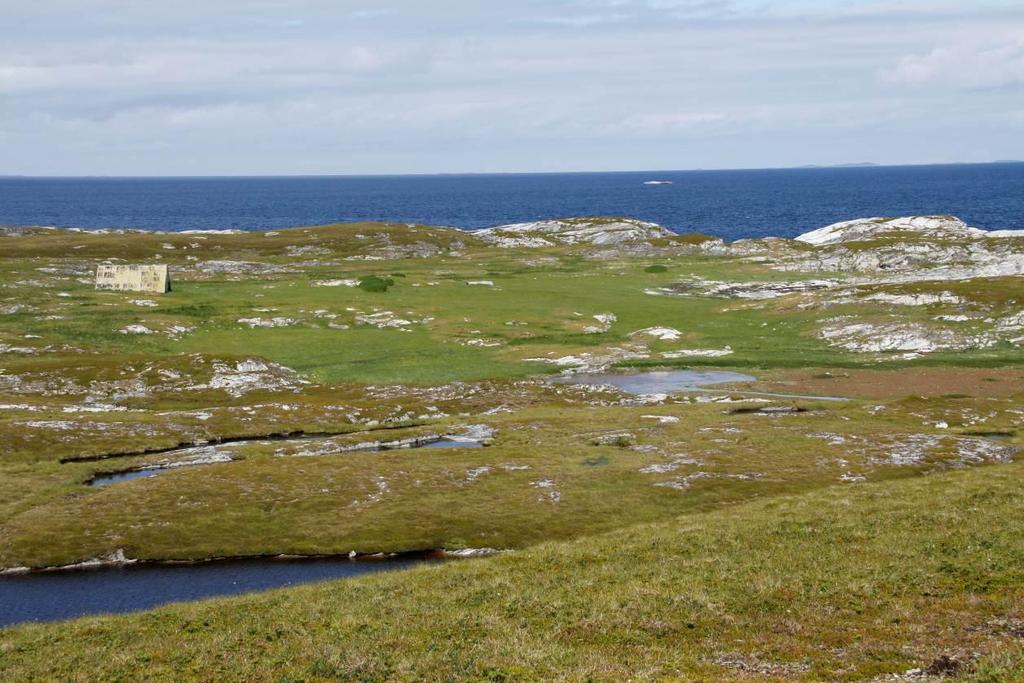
905	337
252	375
930	227
742	290
590	231
916	248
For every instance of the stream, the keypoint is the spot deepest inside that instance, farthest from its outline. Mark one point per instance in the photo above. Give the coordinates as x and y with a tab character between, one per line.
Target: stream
108	478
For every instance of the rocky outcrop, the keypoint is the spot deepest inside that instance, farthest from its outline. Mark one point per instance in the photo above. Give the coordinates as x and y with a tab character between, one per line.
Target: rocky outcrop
899	336
742	290
917	247
241	268
21	230
917	227
253	374
589	231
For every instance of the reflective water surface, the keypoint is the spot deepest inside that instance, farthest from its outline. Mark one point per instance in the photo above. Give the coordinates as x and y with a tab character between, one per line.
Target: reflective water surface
51	596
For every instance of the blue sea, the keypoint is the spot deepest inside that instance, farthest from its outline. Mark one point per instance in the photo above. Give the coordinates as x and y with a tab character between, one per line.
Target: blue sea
729	204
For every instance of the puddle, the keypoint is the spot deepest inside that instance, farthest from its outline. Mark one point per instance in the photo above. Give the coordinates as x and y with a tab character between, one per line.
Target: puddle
669	381
451	443
117	477
779	410
658	382
52	596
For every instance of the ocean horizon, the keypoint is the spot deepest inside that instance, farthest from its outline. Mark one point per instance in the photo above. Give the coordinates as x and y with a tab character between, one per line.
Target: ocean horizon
732	204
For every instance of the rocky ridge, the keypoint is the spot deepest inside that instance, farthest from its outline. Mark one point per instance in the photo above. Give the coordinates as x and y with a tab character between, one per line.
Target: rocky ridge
908	248
915	247
593	231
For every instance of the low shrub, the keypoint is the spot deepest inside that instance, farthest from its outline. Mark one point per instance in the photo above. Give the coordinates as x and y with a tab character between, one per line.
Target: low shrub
372	283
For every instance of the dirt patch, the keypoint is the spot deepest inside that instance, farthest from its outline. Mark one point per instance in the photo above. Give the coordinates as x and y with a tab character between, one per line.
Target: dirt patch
944	665
885	384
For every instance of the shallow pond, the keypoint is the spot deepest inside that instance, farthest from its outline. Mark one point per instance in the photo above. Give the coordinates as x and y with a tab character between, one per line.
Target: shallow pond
659	382
117	477
451	443
668	381
51	596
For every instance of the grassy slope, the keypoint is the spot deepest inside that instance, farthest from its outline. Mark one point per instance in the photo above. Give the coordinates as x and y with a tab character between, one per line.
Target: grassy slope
280	504
841	584
265	504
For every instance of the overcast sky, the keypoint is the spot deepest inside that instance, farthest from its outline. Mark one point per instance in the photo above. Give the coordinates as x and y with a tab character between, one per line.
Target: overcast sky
240	87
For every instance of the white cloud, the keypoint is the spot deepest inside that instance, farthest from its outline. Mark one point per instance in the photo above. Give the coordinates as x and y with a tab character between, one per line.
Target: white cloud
969	66
579	20
307	86
671	121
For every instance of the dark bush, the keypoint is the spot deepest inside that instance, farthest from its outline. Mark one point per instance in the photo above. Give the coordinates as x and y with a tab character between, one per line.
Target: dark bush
373	283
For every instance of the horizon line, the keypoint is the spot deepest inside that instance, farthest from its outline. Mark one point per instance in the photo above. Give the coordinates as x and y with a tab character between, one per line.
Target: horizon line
806	167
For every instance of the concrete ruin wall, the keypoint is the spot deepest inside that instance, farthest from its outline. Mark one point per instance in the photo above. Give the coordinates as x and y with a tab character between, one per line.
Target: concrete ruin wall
133	278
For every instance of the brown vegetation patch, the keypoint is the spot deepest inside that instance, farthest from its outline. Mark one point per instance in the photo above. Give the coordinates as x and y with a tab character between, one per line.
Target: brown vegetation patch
886	384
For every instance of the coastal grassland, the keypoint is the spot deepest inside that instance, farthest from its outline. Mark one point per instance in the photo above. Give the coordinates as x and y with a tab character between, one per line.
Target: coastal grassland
530	307
565	463
464	335
340	240
843	583
718	534
541	304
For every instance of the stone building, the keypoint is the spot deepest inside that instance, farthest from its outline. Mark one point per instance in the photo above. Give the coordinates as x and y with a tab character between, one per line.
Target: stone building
133	278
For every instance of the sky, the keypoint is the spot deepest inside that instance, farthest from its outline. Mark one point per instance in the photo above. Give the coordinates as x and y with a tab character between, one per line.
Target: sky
282	87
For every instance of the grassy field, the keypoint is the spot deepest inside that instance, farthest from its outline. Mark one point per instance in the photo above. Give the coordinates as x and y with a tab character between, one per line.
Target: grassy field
842	584
266	503
750	532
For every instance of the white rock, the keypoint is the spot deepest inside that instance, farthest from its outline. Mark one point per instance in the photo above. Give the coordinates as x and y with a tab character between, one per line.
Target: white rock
899	336
594	231
941	227
472	552
267	322
915	299
384	320
706	353
662	333
251	375
347	282
136	329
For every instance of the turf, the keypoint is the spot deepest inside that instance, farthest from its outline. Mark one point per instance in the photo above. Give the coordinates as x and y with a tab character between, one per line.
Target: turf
842	584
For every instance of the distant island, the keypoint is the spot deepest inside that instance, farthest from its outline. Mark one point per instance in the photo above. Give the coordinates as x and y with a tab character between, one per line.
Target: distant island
862	164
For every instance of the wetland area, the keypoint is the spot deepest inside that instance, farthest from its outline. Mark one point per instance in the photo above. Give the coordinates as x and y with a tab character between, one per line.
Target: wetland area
664	452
